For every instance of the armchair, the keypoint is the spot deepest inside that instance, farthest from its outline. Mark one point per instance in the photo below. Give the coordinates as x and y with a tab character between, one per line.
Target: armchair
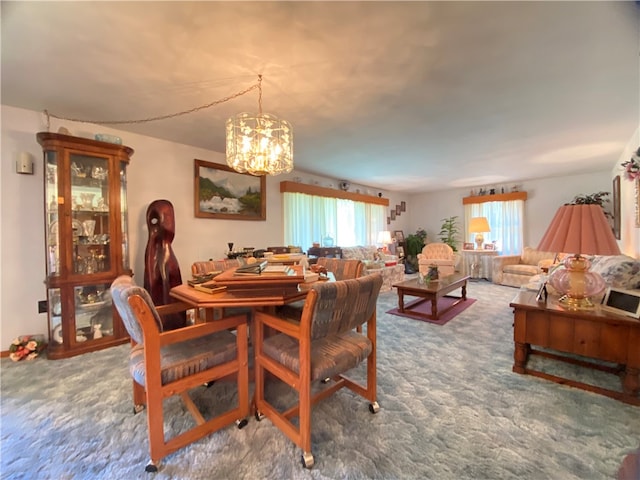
439	254
322	345
518	270
170	363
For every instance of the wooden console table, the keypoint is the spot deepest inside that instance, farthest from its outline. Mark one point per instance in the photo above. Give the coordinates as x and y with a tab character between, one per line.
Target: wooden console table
593	334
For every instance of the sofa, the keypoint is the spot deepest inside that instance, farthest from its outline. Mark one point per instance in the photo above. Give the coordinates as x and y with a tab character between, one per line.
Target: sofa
376	262
518	270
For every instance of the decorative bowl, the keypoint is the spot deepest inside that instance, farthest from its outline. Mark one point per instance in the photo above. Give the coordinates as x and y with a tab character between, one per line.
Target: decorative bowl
104	137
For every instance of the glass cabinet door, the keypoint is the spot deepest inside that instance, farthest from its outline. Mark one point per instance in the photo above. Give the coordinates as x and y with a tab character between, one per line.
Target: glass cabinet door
94	314
52	227
90	214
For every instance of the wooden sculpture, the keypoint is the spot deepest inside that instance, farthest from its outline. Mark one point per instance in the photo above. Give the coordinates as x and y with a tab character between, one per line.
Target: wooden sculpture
161	268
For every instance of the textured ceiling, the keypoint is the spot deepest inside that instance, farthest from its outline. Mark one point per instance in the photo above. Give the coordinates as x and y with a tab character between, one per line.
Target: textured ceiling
415	96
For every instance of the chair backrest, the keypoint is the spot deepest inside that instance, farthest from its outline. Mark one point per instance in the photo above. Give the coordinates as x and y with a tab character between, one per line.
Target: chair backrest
438	250
122	289
342	269
204	267
336	307
278	250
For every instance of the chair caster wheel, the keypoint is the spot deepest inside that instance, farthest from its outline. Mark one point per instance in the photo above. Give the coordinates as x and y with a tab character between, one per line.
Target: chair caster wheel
151	468
259	416
374	407
325	380
307	460
208	384
241	423
137	409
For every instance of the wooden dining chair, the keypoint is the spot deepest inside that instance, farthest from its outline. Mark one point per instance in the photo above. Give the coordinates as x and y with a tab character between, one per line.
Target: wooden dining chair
342	269
167	363
324	344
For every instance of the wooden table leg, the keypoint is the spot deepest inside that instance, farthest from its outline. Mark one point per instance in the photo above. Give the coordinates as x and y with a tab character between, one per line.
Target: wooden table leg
464	291
631	381
400	300
520	356
434	308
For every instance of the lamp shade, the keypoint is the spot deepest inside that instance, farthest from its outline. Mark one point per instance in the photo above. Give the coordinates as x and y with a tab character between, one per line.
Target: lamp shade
479	225
580	229
384	237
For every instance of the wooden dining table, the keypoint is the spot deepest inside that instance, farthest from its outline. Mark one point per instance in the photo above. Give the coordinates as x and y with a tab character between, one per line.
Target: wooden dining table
248	292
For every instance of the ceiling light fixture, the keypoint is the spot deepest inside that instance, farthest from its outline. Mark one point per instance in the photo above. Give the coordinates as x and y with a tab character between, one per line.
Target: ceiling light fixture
259	144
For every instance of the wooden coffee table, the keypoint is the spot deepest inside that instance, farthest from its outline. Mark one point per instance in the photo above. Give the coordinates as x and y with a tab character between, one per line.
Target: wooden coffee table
431	292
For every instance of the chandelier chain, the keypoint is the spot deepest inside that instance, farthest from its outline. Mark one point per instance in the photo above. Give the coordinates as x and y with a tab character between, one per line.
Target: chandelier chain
164	117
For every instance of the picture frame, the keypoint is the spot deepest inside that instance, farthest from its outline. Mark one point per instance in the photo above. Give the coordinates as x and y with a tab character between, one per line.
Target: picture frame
489	246
388	220
468	246
622	302
398	210
399	236
392	213
221	192
403	206
616	207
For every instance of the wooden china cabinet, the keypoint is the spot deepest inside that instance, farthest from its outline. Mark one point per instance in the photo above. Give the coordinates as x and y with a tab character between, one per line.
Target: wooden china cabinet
86	241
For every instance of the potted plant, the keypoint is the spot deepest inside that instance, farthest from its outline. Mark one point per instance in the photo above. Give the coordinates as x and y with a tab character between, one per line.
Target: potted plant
449	232
414	243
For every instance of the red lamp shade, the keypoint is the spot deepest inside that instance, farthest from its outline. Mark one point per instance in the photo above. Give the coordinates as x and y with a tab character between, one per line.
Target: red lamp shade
578	229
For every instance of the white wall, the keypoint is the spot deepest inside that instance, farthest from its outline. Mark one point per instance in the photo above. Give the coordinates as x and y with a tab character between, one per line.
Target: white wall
158	170
544	197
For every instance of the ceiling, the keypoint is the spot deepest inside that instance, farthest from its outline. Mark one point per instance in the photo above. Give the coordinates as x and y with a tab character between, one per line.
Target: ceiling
404	96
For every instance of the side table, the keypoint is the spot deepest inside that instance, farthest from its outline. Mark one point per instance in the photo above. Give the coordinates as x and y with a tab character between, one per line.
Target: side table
593	334
477	263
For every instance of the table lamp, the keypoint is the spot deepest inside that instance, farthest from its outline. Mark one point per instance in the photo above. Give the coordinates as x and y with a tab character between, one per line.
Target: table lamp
479	225
384	237
578	229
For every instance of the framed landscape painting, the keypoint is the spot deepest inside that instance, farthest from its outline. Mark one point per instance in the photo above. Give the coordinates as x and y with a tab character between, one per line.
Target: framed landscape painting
221	192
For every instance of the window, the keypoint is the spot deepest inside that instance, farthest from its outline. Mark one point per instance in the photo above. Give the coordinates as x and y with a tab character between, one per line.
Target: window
505	214
310	218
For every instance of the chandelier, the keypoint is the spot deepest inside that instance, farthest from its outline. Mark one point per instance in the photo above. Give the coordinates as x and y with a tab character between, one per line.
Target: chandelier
259	144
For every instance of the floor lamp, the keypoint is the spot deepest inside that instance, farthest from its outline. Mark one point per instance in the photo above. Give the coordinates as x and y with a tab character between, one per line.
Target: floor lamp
578	229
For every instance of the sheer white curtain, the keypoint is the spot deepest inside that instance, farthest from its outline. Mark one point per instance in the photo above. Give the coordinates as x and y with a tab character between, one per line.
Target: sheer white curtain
506	220
311	218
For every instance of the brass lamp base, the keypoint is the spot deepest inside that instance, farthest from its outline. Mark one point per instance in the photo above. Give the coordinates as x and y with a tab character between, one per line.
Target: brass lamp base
576	303
577	283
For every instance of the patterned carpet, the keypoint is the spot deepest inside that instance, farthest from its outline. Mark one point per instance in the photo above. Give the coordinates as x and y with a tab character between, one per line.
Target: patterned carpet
450	409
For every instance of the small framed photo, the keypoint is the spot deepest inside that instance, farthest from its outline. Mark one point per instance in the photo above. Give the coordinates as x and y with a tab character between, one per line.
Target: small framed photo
403	206
399	236
622	302
388	220
467	246
398	210
489	246
392	213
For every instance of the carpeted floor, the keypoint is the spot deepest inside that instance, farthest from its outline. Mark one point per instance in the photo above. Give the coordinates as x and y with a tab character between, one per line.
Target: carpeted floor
450	409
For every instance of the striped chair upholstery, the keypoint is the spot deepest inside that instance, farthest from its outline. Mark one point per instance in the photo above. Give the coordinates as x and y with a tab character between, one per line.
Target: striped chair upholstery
342	269
167	363
208	266
323	345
